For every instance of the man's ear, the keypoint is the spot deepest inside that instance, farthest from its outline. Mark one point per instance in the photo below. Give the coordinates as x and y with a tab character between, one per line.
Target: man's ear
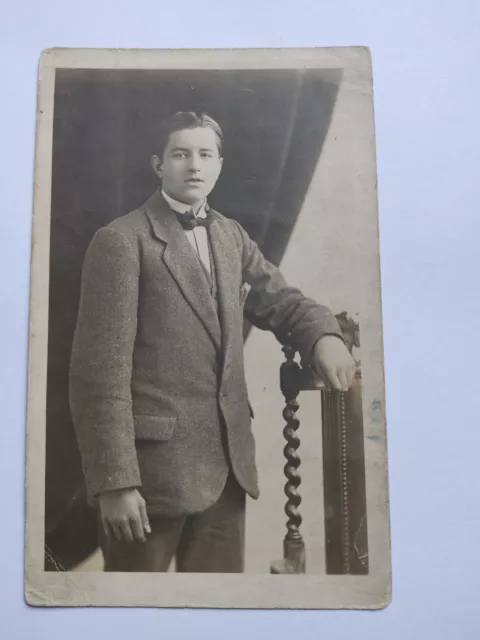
157	165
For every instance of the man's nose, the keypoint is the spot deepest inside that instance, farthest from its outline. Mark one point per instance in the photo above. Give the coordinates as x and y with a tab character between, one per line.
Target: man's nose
194	162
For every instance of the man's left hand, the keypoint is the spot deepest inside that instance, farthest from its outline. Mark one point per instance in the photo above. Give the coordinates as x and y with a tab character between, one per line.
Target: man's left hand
333	361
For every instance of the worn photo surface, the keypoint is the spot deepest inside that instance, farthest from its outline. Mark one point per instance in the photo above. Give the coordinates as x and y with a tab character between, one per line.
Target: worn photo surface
206	410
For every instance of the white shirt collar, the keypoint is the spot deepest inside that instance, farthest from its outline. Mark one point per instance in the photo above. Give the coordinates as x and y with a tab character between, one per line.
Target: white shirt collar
181	207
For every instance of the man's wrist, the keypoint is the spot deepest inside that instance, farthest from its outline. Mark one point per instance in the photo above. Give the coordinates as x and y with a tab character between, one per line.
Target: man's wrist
118	491
334	335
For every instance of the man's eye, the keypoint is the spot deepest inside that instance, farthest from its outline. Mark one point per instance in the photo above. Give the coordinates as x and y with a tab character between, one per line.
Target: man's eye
206	155
179	154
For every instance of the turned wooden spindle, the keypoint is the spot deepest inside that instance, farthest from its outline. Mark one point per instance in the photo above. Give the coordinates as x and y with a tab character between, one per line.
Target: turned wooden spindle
293	545
346	545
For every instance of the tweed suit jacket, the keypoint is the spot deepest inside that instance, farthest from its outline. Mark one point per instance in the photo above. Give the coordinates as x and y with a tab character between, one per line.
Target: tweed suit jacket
157	384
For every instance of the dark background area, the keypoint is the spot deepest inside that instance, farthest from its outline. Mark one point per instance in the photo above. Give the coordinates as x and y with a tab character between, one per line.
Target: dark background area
105	130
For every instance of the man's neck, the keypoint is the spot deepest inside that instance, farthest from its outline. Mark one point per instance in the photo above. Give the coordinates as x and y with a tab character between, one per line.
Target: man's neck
183	207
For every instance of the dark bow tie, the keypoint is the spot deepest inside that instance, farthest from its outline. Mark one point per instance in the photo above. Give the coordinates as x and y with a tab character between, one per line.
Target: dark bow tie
189	221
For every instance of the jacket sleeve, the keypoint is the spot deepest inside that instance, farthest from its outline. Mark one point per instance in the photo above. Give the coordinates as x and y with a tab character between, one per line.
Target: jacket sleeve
101	363
274	305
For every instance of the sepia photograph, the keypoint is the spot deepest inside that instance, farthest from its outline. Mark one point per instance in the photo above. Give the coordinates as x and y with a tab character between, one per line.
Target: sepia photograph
206	411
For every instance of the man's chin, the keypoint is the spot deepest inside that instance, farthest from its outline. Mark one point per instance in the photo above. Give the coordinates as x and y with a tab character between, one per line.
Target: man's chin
192	195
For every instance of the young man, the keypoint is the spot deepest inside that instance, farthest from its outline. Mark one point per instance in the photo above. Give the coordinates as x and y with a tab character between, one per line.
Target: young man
158	392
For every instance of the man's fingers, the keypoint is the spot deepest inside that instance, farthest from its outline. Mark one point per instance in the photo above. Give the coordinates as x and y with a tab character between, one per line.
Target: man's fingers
105	527
343	377
332	379
353	371
326	374
144	517
116	530
137	529
126	531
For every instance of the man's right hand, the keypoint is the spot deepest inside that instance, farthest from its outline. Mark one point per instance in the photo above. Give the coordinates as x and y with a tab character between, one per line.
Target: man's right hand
124	514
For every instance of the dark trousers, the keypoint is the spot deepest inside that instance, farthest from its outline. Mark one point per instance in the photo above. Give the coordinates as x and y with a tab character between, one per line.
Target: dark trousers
211	542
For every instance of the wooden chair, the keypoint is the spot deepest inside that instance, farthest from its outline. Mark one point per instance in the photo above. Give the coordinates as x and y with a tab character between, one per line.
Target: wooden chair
345	515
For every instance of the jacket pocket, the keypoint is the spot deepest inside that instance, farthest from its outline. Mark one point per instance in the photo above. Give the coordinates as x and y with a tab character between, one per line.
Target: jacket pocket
154	427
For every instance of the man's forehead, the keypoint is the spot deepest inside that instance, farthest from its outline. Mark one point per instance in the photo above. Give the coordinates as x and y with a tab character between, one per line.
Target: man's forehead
203	137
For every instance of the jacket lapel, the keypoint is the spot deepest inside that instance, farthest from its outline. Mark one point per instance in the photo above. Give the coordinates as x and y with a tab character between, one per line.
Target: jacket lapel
183	264
227	285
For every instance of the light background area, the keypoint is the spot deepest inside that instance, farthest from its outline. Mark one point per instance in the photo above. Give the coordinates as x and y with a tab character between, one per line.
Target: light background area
426	64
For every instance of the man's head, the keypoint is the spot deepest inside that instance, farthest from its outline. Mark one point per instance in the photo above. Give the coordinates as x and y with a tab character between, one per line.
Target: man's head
190	156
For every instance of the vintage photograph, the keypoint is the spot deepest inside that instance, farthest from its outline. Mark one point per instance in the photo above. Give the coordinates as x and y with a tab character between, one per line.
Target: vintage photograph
206	386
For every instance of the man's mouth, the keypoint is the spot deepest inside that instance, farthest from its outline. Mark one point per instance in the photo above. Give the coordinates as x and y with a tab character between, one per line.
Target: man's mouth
194	180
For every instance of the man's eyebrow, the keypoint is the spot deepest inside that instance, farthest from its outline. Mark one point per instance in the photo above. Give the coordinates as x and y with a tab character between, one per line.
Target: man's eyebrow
187	149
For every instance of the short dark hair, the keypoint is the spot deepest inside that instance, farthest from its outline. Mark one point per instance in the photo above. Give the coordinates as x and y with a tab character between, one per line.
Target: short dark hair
188	120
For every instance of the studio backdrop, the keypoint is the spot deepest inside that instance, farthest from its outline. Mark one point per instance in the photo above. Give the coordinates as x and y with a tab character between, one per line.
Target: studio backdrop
106	122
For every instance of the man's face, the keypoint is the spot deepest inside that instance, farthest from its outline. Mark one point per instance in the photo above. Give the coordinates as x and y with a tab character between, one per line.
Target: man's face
191	164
